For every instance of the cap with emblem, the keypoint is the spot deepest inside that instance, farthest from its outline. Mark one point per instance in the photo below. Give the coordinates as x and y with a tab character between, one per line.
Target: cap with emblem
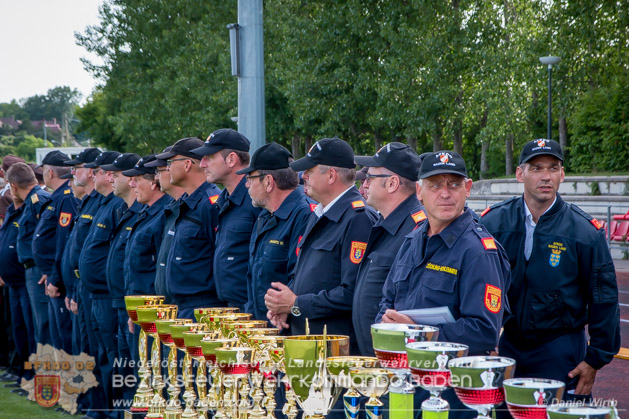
442	162
271	156
328	151
159	162
221	139
55	158
540	147
87	155
397	157
124	161
106	157
183	147
140	167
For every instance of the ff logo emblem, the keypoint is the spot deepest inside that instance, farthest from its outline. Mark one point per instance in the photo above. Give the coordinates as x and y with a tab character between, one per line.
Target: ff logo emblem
357	251
47	390
444	157
493	298
541	143
64	219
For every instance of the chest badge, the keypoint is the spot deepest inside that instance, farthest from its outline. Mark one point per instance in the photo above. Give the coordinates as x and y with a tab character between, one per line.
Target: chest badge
357	252
64	219
555	253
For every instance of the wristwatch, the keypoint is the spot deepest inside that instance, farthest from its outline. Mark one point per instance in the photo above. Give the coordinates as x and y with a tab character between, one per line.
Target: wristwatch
294	310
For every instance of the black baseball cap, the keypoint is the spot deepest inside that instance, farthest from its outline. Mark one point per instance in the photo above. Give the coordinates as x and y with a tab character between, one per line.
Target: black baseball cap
397	157
362	173
157	162
124	161
221	139
66	176
271	156
540	147
183	147
140	168
87	155
329	151
55	158
106	157
442	162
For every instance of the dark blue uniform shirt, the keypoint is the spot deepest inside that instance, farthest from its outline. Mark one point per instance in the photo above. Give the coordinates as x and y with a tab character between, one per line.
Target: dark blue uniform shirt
236	218
189	279
462	268
11	270
569	280
171	212
273	249
52	231
93	259
125	218
330	251
384	242
70	260
145	239
35	202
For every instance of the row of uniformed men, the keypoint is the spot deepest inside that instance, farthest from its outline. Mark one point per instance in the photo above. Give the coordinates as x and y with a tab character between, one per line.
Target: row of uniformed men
293	260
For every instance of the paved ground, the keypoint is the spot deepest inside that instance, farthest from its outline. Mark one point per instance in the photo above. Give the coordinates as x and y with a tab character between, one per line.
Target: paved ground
612	382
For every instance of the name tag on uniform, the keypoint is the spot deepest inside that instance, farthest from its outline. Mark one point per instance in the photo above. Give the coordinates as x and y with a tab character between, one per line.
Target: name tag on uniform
171	233
230	258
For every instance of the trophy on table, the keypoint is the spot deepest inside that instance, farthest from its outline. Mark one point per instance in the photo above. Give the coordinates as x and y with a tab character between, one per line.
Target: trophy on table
144	393
339	368
478	381
306	369
235	363
192	340
173	406
428	362
576	411
372	383
147	316
389	344
528	398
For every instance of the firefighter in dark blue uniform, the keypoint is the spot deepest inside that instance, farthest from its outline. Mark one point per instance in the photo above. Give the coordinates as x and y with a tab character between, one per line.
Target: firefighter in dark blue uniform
49	242
449	261
563	278
331	248
24	185
125	217
80	304
273	186
92	266
189	280
390	186
171	212
224	153
13	277
145	237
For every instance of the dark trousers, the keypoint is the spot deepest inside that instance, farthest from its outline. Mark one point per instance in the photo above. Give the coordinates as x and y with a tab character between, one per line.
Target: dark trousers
60	324
8	353
22	324
104	327
39	305
80	337
125	340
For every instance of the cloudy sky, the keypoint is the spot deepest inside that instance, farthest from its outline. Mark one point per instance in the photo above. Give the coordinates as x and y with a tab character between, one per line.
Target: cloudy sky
38	50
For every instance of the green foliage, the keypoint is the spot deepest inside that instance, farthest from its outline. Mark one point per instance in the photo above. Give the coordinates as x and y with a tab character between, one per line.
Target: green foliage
54	104
600	129
21	144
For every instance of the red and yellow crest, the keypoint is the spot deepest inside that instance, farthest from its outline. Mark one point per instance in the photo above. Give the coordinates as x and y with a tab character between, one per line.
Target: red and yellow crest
357	251
213	199
596	223
47	389
64	219
358	204
418	216
489	243
541	142
493	298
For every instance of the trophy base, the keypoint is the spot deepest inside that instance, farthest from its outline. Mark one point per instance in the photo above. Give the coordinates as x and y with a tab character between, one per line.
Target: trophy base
134	414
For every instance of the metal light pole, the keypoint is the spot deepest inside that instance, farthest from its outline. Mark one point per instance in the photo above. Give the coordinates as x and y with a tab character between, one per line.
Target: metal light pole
550	61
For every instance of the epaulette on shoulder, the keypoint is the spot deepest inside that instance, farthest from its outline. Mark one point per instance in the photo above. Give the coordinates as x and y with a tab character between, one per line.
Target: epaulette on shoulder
358	204
499	204
67	191
597	224
486	239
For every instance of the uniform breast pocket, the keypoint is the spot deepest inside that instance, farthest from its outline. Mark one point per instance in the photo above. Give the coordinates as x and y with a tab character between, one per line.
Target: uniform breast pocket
546	311
239	228
400	277
276	252
102	234
189	241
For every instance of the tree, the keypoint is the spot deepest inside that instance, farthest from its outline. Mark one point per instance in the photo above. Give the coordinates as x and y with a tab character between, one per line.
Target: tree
58	102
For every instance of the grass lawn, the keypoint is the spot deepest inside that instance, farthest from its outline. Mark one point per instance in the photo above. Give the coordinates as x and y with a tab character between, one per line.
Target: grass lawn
13	406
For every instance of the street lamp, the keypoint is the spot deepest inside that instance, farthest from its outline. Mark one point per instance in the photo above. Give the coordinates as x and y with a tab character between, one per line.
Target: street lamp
549	61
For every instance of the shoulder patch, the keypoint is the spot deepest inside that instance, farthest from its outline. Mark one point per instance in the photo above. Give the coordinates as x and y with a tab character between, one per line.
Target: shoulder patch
418	216
357	251
64	219
489	243
358	204
493	298
67	191
312	207
34	198
213	199
596	223
485	211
